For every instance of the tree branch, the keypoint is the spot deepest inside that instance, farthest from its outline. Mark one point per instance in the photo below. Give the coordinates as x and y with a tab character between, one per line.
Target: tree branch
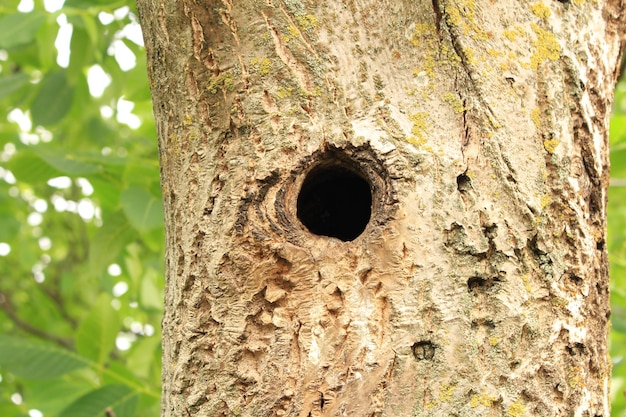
9	310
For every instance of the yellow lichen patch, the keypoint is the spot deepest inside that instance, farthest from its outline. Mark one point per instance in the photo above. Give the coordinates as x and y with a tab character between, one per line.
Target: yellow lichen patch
293	31
457	104
514	33
535	116
559	302
446	392
262	65
284	92
510	34
422	32
482	399
469	54
541	10
316	92
494	123
493	341
526	281
307	21
224	81
516	409
453	16
424	36
420	127
545	201
547	47
550	145
574	378
464	18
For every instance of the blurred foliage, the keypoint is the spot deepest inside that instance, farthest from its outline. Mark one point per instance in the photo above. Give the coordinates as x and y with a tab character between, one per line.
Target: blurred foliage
81	222
617	249
81	237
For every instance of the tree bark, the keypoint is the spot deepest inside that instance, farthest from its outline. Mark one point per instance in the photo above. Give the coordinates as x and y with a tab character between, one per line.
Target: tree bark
474	282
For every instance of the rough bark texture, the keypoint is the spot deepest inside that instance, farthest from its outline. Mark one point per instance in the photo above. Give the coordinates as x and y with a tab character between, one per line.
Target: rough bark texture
479	285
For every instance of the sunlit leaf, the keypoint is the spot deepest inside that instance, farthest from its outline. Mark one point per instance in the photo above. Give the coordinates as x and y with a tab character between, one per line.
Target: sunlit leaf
141	358
144	211
618	163
150	296
82	52
46	37
618	318
9	226
67	162
50	397
96	334
119	399
11	83
29	167
92	3
19	28
109	240
618	129
35	360
53	100
139	173
9	409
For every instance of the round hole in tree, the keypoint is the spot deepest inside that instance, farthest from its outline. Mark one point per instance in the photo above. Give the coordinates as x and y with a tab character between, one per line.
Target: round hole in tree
335	201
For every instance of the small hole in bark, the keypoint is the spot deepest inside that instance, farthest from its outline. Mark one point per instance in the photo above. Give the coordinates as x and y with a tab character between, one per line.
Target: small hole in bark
424	350
575	279
477	285
335	200
463	183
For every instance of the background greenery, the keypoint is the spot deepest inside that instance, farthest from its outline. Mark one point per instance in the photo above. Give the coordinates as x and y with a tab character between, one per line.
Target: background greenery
81	234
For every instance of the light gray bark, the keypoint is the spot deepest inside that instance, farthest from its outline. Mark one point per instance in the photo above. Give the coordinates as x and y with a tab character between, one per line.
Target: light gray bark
479	285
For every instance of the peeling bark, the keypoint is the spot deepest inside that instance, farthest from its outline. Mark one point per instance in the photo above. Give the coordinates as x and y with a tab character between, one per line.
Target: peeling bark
478	284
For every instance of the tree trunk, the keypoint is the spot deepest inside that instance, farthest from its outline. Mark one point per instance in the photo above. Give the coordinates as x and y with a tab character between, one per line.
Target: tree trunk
384	208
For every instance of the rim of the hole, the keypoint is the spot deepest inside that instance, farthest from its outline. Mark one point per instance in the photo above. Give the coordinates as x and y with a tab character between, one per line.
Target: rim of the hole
337	162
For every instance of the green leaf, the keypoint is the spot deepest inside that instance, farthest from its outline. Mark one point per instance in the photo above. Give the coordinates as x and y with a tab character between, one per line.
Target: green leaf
50	397
109	241
53	100
617	129
12	83
8	409
9	226
121	399
67	162
82	52
35	360
143	356
144	211
30	168
150	294
46	37
141	172
618	318
96	334
86	4
19	28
